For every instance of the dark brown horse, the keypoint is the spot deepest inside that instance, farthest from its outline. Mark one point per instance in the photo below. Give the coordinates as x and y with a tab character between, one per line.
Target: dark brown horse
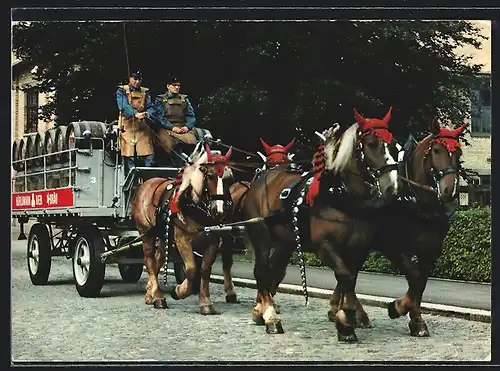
276	156
198	198
336	228
418	223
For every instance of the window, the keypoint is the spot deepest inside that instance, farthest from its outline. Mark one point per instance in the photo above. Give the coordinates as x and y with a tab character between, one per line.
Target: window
481	112
31	125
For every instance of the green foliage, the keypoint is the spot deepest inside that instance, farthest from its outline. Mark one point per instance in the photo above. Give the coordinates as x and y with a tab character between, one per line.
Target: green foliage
467	247
269	78
466	251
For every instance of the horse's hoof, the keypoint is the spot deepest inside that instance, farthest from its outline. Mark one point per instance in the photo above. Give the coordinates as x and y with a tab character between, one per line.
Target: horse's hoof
277	308
331	315
274	328
174	295
160	303
345	332
232	299
258	319
391	308
363	322
208	310
418	329
352	338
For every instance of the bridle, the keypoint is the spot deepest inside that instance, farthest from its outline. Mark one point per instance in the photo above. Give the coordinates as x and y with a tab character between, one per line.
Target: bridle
436	175
368	174
206	199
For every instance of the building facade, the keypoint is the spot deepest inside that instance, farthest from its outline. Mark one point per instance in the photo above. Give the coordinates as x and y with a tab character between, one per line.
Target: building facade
477	155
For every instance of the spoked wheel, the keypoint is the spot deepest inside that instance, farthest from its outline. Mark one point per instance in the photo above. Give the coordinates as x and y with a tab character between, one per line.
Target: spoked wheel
39	257
131	273
88	270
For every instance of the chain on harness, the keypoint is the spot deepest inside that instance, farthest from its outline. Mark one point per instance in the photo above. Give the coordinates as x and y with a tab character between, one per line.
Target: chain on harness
295	221
167	243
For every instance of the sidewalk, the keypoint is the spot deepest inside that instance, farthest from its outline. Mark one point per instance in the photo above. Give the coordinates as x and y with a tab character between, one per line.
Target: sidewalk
444	292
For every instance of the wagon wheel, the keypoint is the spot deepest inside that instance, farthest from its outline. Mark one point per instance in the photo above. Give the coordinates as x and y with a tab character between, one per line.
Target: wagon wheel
38	254
131	273
88	270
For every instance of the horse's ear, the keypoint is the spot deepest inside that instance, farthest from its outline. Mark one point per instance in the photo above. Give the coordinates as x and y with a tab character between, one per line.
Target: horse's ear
460	129
289	145
228	153
266	146
387	116
359	119
435	127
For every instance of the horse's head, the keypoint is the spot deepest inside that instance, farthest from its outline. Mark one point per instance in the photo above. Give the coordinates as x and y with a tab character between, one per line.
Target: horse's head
216	178
366	146
442	159
277	154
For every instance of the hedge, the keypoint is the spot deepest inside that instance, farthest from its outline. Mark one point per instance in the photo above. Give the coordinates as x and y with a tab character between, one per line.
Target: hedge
466	253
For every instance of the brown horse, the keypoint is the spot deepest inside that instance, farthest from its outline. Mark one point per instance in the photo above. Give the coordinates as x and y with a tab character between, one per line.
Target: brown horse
199	197
335	227
418	223
276	156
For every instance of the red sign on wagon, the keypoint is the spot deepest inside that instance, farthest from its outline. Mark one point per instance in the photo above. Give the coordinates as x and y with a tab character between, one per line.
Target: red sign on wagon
46	199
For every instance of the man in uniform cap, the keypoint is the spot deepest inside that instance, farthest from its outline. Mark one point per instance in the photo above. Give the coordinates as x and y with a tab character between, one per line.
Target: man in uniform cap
136	107
175	115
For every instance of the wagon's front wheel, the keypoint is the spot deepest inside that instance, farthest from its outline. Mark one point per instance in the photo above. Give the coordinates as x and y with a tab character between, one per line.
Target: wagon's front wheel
88	270
39	254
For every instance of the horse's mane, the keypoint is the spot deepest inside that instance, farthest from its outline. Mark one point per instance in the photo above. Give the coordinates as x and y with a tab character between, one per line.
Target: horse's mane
344	148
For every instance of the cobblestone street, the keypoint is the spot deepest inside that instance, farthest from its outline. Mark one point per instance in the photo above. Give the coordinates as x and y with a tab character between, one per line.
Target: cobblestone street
53	323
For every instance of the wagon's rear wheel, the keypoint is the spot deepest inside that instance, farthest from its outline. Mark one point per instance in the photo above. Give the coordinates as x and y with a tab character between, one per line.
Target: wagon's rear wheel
88	270
39	255
131	273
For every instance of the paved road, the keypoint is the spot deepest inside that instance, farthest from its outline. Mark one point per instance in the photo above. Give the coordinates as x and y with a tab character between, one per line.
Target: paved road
53	323
462	294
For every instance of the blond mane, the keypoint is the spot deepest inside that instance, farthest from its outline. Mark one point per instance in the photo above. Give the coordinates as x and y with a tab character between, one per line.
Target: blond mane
344	148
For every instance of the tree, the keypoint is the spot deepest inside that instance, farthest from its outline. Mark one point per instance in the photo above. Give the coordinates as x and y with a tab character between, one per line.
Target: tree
274	80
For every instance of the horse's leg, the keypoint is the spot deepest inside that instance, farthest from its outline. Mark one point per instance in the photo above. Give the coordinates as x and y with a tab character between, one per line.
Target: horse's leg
417	325
206	306
183	244
227	264
278	265
362	318
153	293
160	260
406	303
345	318
261	241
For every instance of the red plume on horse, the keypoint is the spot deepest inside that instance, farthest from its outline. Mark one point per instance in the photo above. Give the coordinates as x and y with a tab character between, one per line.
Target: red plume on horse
221	160
378	127
446	136
277	154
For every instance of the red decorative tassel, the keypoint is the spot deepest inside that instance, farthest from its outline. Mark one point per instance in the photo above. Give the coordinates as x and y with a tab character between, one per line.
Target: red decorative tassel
312	192
318	168
174	205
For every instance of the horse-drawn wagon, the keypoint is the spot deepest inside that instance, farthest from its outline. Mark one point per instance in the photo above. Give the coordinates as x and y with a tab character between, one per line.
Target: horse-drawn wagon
70	179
